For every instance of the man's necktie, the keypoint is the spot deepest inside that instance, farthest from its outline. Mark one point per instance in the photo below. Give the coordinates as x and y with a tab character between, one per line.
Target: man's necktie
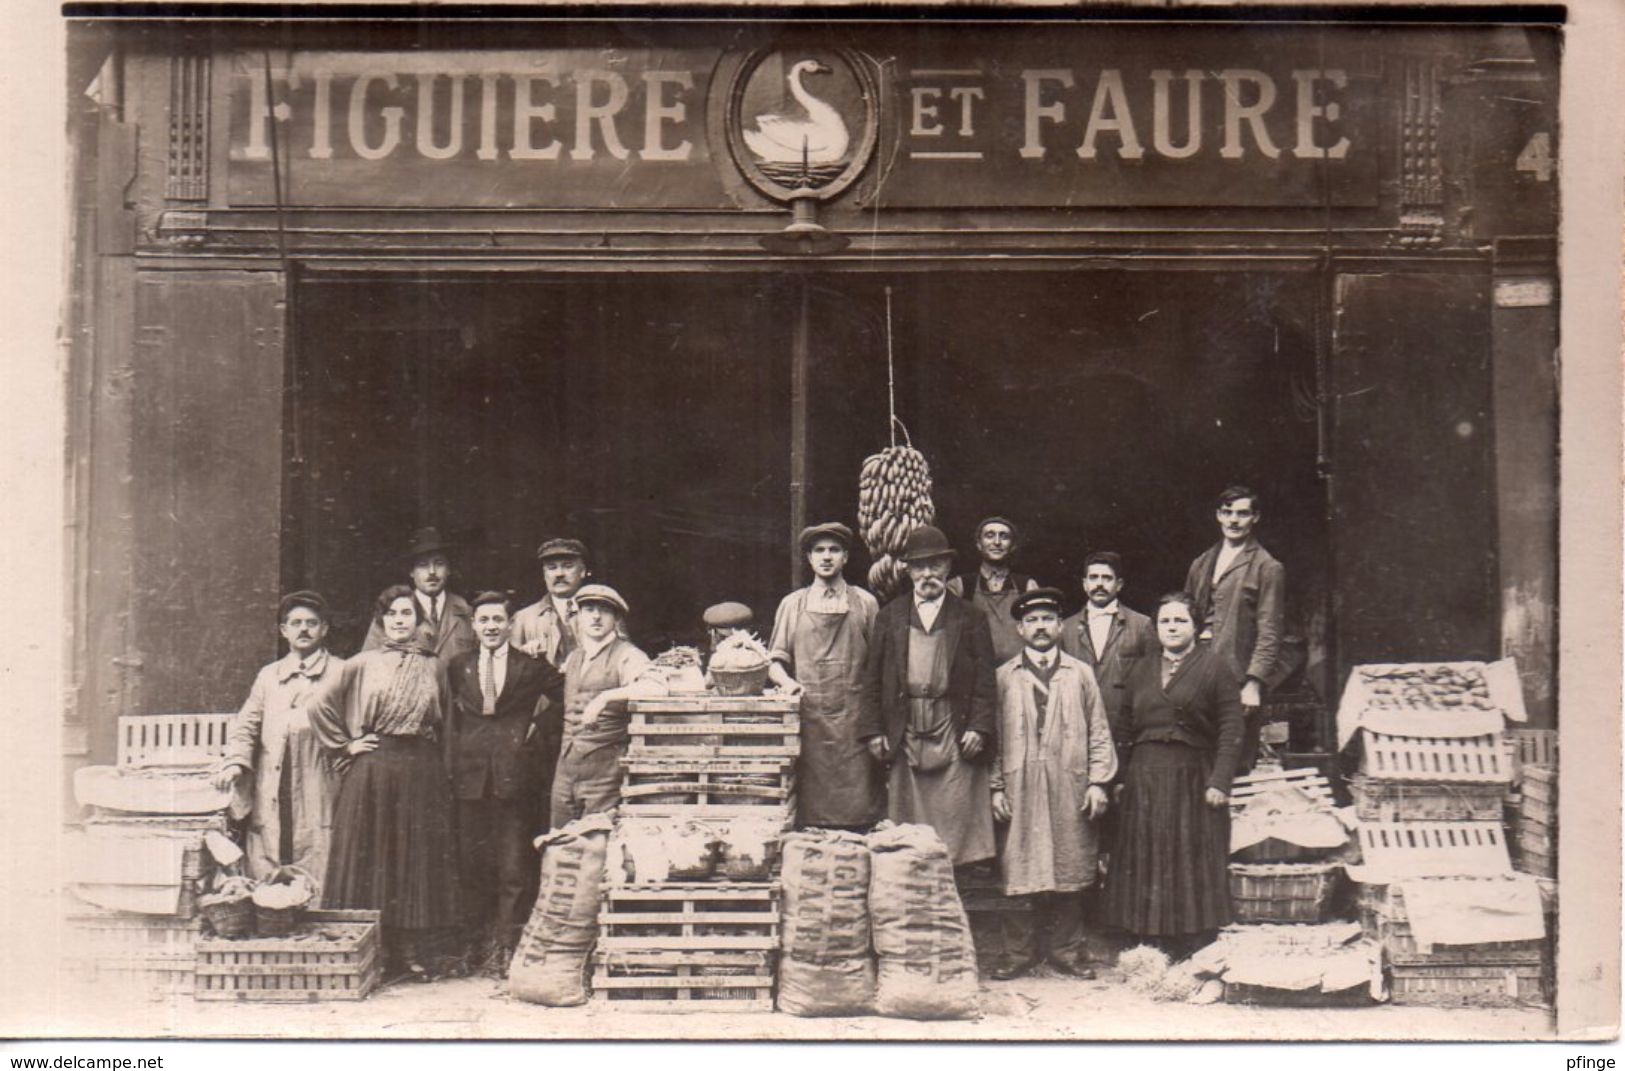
488	683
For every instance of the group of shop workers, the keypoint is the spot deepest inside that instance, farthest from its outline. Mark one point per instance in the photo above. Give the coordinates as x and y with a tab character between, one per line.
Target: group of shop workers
412	777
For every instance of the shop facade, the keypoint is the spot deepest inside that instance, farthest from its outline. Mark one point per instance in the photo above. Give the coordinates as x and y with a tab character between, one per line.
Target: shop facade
661	286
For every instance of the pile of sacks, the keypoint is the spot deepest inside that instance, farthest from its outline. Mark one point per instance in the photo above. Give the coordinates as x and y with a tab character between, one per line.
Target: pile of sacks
874	925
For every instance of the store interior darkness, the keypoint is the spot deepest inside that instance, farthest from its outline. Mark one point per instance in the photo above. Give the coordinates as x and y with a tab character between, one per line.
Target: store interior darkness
650	415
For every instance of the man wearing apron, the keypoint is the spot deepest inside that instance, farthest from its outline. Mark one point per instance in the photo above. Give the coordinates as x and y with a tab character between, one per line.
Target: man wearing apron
993	587
821	638
928	704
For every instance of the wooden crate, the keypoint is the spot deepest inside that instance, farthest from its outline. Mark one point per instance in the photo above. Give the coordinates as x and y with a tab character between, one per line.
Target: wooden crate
1410	801
708	788
1477	985
1282	892
146	740
142	955
713	727
1427	758
1261	782
1534	746
1427	849
331	955
1399	944
690	916
683	981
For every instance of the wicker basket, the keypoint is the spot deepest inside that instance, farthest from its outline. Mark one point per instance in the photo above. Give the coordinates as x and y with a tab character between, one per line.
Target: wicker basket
230	918
1281	892
276	921
740	681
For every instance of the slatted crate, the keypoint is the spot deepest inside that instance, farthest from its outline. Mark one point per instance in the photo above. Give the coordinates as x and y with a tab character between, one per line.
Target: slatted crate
1425	849
1378	800
690	916
1383	916
708	788
331	955
182	740
1468	986
1428	758
1538	801
1534	747
683	981
145	955
713	727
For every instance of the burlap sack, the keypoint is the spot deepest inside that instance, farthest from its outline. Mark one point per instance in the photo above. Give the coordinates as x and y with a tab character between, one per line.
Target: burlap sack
826	877
840	987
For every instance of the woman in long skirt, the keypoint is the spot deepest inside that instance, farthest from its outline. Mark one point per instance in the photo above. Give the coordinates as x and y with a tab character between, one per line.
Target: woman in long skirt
1168	882
393	846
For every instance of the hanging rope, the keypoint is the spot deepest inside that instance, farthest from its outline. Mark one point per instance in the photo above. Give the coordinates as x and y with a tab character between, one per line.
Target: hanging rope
290	334
894	422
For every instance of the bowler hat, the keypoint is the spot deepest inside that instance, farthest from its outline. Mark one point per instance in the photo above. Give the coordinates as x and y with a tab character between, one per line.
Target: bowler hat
831	530
602	593
729	615
1036	599
925	543
562	548
425	541
293	600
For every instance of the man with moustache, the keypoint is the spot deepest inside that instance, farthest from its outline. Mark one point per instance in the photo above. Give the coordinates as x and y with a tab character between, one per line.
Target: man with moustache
821	637
1240	602
1053	761
447	628
547	627
928	701
992	587
504	705
1105	635
289	801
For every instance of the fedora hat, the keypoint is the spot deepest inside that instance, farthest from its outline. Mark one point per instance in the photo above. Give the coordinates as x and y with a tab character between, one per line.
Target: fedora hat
425	541
925	543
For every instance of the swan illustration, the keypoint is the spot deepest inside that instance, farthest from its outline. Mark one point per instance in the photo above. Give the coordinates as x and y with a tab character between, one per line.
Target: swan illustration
820	138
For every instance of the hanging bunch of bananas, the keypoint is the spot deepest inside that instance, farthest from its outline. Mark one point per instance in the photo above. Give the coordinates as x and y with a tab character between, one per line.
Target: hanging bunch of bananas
894	498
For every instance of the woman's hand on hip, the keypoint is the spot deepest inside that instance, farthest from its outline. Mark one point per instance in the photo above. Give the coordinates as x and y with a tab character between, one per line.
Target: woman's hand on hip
362	744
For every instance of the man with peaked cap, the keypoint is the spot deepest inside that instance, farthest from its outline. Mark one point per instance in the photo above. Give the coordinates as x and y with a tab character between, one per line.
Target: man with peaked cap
447	629
1053	761
992	586
547	627
504	706
821	638
289	800
726	618
1105	635
600	675
928	704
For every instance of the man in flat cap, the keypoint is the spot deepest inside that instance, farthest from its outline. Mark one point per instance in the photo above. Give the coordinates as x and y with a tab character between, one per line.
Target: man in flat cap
600	675
726	618
447	626
505	707
1053	761
289	801
992	586
928	704
547	627
821	639
1105	635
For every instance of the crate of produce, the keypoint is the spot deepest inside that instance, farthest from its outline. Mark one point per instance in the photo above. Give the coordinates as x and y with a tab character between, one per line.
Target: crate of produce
1425	849
330	955
690	916
172	740
683	981
1282	892
1481	759
713	727
1377	800
1468	985
707	788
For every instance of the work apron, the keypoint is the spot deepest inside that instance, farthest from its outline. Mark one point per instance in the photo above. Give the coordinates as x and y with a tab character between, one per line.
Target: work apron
837	783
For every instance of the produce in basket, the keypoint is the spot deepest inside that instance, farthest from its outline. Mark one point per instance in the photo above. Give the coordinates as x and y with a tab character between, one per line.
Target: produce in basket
739	653
894	498
682	670
286	889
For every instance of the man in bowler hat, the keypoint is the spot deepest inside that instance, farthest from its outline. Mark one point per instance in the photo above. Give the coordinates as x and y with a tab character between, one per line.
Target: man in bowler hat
447	629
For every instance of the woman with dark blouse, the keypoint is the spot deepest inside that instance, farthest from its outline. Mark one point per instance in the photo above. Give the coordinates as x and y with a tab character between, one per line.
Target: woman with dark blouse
393	846
1182	724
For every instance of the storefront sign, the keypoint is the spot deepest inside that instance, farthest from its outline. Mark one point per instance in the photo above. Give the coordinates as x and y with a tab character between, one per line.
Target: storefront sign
1104	119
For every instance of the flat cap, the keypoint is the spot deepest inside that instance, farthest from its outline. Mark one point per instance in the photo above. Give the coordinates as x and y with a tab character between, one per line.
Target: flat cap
729	615
562	548
602	593
1006	521
293	600
828	530
1036	599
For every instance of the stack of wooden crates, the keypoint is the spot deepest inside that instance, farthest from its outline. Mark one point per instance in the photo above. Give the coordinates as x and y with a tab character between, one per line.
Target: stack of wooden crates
706	760
1432	806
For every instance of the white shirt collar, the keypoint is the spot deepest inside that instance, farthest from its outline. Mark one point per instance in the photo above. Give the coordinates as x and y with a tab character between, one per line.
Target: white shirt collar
430	603
1106	611
593	648
836	586
561	606
291	664
1041	659
498	655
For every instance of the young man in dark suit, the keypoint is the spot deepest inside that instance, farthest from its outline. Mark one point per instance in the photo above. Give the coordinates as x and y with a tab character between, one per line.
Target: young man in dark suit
1105	635
506	707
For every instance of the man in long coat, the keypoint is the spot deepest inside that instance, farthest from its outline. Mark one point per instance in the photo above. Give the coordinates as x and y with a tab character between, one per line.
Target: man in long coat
1055	757
505	705
928	701
1106	635
1240	592
448	623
